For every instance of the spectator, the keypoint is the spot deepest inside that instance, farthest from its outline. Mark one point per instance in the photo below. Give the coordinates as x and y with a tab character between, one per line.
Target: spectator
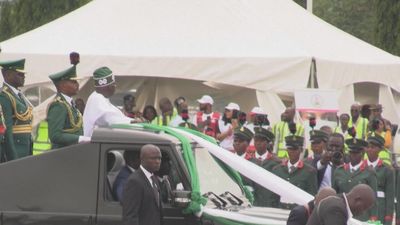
227	124
206	120
150	114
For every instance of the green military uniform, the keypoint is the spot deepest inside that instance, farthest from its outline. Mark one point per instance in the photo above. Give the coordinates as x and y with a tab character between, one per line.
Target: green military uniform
281	130
17	111
263	197
65	120
316	136
344	179
302	175
386	184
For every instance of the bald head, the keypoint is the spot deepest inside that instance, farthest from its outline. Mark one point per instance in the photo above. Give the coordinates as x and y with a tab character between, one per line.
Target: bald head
165	106
360	198
150	157
324	193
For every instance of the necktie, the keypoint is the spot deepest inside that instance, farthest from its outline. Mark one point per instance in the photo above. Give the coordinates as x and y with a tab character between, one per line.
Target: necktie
292	168
155	189
21	97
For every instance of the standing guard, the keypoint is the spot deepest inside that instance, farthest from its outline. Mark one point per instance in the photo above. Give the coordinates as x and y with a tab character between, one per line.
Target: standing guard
17	111
65	120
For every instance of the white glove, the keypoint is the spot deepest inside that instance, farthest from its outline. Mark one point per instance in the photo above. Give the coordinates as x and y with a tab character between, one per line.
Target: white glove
84	139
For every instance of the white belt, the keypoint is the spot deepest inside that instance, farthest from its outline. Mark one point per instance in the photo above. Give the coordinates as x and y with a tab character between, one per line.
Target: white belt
380	194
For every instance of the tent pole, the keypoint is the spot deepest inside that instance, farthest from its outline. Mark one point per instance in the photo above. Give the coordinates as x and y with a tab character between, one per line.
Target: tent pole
310	6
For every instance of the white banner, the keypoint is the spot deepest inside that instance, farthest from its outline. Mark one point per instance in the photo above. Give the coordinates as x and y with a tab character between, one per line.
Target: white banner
316	100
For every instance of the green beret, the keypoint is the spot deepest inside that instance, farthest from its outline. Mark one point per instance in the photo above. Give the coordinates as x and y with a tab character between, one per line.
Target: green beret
16	65
68	74
376	140
356	145
318	135
294	141
103	76
243	133
264	134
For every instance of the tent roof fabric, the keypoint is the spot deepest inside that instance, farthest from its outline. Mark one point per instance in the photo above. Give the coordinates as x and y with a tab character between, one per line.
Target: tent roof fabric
266	45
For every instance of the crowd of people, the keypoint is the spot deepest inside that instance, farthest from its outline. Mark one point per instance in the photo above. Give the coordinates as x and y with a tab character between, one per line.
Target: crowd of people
357	151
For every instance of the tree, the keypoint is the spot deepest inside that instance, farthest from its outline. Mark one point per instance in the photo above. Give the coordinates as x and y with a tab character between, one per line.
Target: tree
20	16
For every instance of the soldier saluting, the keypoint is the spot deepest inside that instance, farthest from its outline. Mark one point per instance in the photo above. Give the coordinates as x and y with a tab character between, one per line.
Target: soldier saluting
17	111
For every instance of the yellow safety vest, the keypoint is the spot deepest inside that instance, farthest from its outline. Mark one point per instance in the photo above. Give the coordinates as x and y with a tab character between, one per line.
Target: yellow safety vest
361	127
281	130
42	142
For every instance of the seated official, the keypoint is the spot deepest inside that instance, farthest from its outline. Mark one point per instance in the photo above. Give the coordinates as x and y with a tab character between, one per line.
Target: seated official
132	163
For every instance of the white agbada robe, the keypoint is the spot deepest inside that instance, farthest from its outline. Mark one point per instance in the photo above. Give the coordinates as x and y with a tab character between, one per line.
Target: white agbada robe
100	112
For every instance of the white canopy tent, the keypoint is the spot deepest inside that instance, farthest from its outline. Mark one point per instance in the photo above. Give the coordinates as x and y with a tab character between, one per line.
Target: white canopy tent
264	45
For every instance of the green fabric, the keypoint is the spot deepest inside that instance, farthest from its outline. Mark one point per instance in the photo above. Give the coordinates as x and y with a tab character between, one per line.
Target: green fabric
15	145
262	196
18	65
103	76
68	74
197	199
232	173
58	119
304	177
343	181
386	183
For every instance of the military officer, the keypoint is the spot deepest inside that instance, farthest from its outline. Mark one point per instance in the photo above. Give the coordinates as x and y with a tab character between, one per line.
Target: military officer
263	140
241	140
318	140
64	119
17	111
356	172
294	170
385	176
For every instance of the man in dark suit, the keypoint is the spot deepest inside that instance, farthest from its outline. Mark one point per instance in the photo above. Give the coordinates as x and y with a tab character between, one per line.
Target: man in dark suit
132	163
300	214
141	200
337	210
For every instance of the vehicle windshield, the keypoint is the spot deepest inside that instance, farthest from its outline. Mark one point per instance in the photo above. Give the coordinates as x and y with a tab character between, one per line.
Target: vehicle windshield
211	176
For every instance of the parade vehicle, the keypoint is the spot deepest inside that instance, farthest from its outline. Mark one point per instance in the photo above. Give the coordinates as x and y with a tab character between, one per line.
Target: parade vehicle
73	185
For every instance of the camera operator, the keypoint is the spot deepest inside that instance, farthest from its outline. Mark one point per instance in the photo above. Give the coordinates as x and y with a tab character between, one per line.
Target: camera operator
332	158
257	118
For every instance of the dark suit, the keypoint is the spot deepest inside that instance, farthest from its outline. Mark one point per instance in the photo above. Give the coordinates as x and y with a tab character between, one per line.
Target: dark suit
331	211
139	204
300	214
120	181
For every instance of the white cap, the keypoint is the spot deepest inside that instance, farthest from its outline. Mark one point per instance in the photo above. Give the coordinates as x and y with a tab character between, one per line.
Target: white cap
258	111
206	99
232	106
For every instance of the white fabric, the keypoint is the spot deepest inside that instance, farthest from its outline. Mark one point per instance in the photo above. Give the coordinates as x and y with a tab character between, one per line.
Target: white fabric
13	89
84	139
289	165
67	98
356	167
349	213
263	156
100	112
227	142
206	99
176	121
147	174
254	172
373	164
327	179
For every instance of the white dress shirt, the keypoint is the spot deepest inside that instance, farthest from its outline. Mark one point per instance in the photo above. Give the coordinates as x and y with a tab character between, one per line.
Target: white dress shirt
100	112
